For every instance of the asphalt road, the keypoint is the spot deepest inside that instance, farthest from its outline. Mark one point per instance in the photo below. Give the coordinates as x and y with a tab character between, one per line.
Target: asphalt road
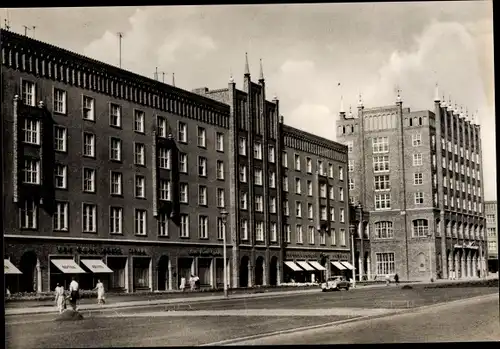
466	320
212	321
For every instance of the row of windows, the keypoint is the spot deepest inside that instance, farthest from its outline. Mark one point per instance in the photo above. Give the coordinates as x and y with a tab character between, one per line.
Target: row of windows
299	235
309	166
474	156
461	169
384	229
309	186
457	186
457	229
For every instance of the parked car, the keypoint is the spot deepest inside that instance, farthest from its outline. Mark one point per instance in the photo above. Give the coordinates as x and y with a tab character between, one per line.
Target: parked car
335	283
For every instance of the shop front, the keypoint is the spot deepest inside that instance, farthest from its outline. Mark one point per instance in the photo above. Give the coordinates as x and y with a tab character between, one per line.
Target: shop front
305	266
12	275
206	263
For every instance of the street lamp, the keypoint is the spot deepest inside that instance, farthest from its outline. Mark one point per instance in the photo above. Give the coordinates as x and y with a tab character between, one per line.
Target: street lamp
429	235
224	214
352	231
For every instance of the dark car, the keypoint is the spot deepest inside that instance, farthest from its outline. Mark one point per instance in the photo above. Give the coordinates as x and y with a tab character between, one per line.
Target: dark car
335	283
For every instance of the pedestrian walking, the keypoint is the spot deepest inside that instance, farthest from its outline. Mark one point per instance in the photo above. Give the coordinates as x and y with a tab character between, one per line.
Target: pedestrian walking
7	292
100	292
387	279
183	284
60	298
73	289
396	279
196	282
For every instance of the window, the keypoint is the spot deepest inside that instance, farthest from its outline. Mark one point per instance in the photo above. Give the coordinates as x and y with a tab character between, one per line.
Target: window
490	218
322	238
116	183
220	169
243	173
310	213
309	165
139	154
322	190
286	208
219	146
202	137
59	101
139	121
60	217
115	220
115	112
88	180
88	144
330	170
183	193
115	149
259	231
259	206
272	204
272	179
89	213
31	131
341	173
420	227
273	233
416	139
140	187
383	230
28	93
332	193
244	229
351	183
342	215
244	201
271	154
165	189
350	146
28	215
284	159
323	213
341	194
418	178
333	234
288	233
140	222
31	171
385	263
59	138
298	209
350	165
332	214
382	201
183	163
382	182
297	162
242	146
162	127
285	183
298	232
320	168
343	240
202	166
165	158
220	197
182	132
257	150
381	163
88	108
203	227
380	145
162	224
311	235
258	176
184	226
221	229
309	188
202	195
417	159
297	186
60	173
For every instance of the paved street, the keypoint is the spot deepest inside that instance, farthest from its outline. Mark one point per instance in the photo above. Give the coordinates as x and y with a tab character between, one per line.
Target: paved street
466	320
203	322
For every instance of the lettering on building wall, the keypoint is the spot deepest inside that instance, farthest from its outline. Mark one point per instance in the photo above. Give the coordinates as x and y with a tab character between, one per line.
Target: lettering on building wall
213	252
90	250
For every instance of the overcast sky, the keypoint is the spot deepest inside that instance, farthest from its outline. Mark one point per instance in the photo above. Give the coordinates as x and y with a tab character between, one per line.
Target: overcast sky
307	49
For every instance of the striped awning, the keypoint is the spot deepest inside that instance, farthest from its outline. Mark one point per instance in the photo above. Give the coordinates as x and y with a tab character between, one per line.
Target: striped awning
347	265
9	268
293	266
338	265
305	265
67	266
317	265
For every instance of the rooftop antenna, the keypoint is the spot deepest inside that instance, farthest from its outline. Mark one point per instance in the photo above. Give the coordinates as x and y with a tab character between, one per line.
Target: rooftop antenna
26	30
173	79
163	73
6	24
120	36
155	74
34	27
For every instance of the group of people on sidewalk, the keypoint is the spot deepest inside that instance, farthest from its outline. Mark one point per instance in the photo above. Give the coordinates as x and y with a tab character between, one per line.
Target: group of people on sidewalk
194	283
61	297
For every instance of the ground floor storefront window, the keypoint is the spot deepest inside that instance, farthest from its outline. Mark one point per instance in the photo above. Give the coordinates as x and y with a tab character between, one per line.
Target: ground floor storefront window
117	279
185	267
141	273
385	263
205	272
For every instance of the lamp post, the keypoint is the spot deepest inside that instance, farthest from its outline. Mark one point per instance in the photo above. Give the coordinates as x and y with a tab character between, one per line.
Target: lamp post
429	235
224	214
352	231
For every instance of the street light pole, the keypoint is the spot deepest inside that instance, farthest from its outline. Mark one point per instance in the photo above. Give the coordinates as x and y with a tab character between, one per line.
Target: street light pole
224	220
352	230
429	235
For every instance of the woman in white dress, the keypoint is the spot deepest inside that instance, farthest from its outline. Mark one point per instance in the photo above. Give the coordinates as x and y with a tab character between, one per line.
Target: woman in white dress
100	292
60	298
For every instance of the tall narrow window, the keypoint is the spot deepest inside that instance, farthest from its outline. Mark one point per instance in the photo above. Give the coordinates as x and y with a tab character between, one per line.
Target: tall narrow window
31	131
88	112
140	222
139	121
89	213
115	115
60	138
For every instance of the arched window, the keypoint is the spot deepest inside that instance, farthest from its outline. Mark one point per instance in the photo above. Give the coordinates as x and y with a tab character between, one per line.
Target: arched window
352	128
420	227
383	230
420	121
410	121
343	129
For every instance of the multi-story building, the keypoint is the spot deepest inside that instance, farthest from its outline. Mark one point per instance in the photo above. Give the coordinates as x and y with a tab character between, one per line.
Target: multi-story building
418	174
115	176
490	209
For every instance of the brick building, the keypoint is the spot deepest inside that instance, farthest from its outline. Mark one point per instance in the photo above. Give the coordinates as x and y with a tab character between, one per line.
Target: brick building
123	178
491	209
418	175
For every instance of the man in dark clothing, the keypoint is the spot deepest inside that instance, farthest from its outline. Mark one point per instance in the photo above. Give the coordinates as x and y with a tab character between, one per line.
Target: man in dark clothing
396	279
